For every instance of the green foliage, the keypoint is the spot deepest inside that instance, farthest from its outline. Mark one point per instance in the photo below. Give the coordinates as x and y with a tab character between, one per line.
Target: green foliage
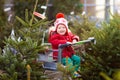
83	27
4	27
67	6
66	70
106	51
4	32
21	5
22	48
11	64
115	75
104	55
15	57
2	13
32	29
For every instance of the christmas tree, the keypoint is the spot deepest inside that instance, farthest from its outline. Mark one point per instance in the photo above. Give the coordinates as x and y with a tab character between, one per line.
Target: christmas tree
103	57
22	48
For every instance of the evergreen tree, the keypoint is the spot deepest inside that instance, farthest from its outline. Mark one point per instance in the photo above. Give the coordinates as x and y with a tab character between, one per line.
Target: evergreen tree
5	27
53	7
2	13
22	49
104	55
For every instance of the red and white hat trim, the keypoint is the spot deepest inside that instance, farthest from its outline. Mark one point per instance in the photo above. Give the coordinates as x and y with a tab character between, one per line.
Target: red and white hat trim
60	20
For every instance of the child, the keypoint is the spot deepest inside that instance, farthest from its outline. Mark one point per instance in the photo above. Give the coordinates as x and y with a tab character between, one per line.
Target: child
61	35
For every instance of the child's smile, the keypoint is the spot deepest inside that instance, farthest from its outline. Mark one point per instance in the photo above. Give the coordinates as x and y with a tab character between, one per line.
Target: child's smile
61	29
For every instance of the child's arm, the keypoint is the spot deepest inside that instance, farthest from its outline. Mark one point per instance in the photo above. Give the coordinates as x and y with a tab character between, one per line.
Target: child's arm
74	37
54	40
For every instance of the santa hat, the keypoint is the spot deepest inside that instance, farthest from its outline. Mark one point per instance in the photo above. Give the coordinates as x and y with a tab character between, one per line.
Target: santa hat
60	20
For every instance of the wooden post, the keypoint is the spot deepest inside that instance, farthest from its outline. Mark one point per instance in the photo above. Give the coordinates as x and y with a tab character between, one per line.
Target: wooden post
28	72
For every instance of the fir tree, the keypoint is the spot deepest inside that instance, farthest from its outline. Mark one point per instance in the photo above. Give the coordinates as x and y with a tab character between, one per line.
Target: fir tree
104	55
22	48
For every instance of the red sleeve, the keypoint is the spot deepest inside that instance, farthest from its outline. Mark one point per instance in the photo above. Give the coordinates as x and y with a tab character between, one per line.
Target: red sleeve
73	36
55	41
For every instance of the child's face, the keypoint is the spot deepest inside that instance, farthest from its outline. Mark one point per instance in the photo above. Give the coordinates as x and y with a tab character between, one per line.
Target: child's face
61	29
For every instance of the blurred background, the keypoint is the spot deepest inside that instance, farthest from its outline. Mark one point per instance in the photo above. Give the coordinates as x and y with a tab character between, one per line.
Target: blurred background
22	33
95	8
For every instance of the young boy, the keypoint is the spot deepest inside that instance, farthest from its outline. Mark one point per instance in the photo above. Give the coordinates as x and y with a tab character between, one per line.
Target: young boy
61	35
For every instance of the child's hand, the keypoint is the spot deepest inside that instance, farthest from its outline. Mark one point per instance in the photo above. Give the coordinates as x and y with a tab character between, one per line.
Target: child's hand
74	41
69	42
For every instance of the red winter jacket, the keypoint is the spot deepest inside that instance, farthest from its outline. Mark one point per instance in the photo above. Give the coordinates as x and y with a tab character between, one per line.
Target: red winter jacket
57	39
